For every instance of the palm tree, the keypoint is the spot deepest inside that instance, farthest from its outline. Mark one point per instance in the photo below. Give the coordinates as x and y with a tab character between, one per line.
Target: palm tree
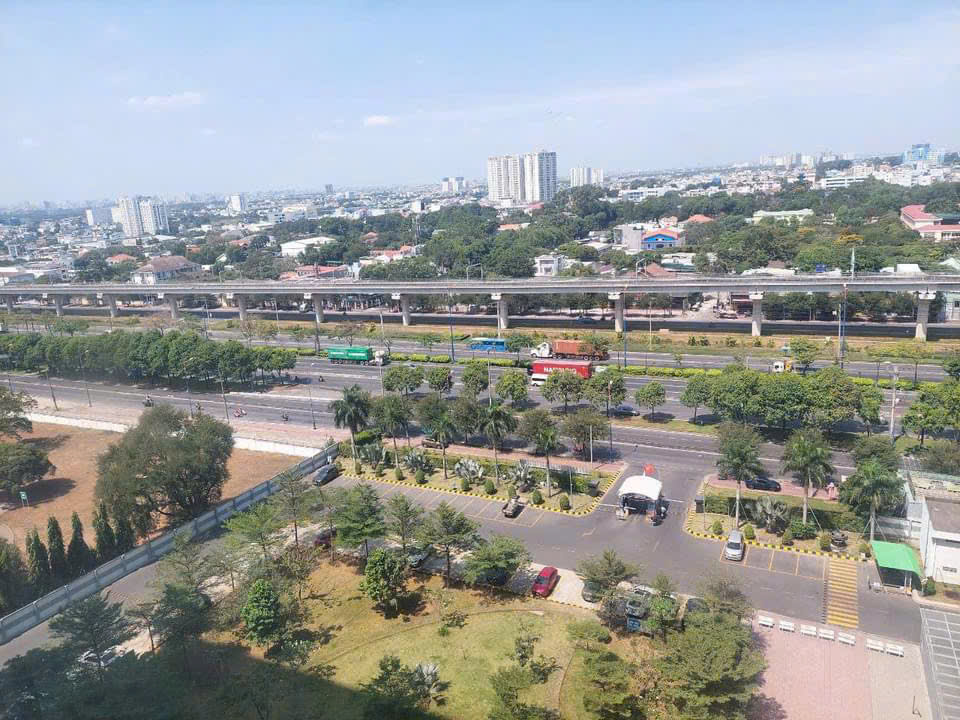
739	458
873	485
394	418
444	432
547	441
808	456
497	423
352	411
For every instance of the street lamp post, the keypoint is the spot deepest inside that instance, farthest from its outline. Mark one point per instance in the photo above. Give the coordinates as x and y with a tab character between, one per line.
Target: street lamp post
223	394
276	309
313	418
83	374
893	397
453	357
489	385
52	395
206	318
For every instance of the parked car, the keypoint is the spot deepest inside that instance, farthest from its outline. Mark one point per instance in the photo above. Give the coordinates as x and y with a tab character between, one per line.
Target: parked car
512	507
433	444
546	581
585	319
626	410
734	548
418	554
324	538
762	484
107	657
592	592
325	474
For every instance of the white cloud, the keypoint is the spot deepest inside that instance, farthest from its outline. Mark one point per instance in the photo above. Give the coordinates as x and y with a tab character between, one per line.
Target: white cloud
324	136
28	142
208	132
378	120
167	102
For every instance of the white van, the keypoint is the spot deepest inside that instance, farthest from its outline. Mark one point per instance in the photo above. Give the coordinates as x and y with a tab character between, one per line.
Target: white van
538	379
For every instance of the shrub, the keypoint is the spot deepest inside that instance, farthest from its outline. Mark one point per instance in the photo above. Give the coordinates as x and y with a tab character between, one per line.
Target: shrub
398	474
421	477
825	541
717	527
586	632
801	531
787	538
849	521
366	436
357	468
443	631
465	484
929	586
864	549
439	358
511	491
378	470
748	532
536	497
489	487
564	502
716	504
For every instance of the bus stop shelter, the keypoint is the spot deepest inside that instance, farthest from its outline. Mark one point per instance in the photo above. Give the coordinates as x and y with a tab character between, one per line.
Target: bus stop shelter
896	563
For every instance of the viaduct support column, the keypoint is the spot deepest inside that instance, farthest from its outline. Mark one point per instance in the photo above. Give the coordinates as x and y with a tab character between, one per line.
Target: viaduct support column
756	325
9	301
503	320
617	310
58	305
111	303
242	307
923	314
317	301
174	308
404	306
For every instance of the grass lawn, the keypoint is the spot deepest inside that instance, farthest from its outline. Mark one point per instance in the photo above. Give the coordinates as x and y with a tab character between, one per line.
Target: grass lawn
667	423
354	637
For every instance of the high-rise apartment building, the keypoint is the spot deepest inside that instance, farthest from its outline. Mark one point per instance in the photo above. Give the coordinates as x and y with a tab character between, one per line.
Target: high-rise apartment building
99	216
505	178
452	185
539	176
238	203
142	216
585	176
130	216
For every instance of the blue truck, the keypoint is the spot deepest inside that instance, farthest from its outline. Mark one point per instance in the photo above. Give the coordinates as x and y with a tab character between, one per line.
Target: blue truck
492	344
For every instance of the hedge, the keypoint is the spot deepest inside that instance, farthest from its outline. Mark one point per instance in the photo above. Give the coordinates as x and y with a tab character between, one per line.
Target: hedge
654	371
831	516
496	362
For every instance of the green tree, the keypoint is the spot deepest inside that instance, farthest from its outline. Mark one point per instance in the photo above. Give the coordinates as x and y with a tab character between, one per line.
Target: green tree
429	410
583	427
346	332
734	393
403	379
606	389
106	540
808	457
293	499
126	538
696	393
440	379
724	594
22	464
444	432
711	670
563	385
79	557
352	411
833	398
93	625
880	447
651	395
360	517
497	424
13	413
181	616
951	366
403	519
606	570
783	399
612	691
38	560
476	377
449	530
502	555
259	525
264	617
924	418
663	610
804	352
512	386
385	578
539	427
14	578
739	455
871	488
391	414
518	342
868	406
171	464
393	694
59	570
466	414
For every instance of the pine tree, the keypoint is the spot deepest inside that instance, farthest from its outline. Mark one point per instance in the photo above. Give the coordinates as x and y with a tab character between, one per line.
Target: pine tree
123	531
57	551
78	553
39	562
105	539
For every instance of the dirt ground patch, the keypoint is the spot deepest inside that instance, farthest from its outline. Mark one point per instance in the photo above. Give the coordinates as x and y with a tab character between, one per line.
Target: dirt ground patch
74	452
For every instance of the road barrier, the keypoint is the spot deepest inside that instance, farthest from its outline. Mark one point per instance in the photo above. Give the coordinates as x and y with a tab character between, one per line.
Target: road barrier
42	609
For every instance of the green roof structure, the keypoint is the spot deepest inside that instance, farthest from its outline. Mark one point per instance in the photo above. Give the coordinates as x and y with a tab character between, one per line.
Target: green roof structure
896	556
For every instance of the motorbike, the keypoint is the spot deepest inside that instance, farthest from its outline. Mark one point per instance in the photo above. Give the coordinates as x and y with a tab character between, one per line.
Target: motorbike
148	402
285	417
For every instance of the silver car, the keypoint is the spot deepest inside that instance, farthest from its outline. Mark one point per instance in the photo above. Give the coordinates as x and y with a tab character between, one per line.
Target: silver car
734	548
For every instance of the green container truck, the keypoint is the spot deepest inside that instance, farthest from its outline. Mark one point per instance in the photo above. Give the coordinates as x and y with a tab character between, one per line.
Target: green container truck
355	354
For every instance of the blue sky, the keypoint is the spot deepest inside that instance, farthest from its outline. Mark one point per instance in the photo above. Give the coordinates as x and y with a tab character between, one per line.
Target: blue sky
99	99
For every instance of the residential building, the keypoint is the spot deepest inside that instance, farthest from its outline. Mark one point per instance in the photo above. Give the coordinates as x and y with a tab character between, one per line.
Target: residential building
416	206
154	217
120	258
116	215
585	176
328	189
295	247
781	215
662	239
505	179
915	216
940	536
130	217
238	203
940	232
322	272
549	265
99	216
453	185
162	269
539	176
636	237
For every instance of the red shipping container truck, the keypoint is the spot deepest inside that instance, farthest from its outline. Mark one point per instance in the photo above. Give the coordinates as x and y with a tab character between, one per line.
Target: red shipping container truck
583	368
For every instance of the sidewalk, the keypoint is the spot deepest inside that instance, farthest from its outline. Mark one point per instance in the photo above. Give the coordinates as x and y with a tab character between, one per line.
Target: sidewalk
787	485
556	461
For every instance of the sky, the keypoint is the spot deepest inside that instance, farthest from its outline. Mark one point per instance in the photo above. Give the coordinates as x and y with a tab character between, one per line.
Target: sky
103	99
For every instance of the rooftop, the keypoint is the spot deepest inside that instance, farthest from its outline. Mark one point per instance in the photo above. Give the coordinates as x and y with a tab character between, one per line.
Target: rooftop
944	515
165	264
917	212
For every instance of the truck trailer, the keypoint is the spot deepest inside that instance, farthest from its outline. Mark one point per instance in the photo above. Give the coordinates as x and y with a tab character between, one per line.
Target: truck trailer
354	354
576	349
583	368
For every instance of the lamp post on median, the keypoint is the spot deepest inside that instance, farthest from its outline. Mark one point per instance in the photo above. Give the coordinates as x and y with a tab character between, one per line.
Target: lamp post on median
83	374
313	418
893	396
52	395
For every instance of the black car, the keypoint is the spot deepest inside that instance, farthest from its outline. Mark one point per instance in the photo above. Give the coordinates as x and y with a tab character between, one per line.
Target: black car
763	484
512	508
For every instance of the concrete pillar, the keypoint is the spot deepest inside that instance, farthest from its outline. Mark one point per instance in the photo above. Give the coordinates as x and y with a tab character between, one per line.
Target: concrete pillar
242	307
112	304
9	300
174	308
923	314
404	306
756	326
317	301
58	304
617	310
503	320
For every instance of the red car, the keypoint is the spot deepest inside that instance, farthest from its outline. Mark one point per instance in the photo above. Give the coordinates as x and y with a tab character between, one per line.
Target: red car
546	581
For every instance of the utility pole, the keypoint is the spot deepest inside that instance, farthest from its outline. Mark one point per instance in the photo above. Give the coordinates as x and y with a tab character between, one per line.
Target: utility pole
893	397
313	417
52	396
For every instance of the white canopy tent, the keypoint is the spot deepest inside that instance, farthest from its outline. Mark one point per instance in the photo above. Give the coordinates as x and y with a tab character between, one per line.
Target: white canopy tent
641	485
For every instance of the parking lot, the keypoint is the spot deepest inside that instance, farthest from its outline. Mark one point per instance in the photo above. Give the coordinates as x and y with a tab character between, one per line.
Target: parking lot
813	567
941	658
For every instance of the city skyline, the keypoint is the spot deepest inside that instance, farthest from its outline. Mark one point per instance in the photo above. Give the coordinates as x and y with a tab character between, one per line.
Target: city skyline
113	82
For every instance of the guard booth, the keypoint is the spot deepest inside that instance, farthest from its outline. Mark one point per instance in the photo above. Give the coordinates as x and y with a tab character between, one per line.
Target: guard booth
639	493
897	564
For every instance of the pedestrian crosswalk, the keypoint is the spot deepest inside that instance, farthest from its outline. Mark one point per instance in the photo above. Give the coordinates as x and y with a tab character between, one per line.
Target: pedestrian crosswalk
840	594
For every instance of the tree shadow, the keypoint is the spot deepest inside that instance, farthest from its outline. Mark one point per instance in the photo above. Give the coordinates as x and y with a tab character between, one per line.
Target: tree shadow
764	707
47	444
48	489
659	417
706	419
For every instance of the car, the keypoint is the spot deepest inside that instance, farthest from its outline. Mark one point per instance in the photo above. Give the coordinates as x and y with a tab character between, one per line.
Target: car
627	410
325	474
107	657
762	484
585	319
638	604
325	537
546	581
418	554
433	444
592	592
734	547
512	507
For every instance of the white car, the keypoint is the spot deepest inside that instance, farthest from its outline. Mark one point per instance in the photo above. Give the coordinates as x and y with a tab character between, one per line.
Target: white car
734	547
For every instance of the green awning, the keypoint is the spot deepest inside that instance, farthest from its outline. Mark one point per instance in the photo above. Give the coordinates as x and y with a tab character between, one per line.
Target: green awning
896	556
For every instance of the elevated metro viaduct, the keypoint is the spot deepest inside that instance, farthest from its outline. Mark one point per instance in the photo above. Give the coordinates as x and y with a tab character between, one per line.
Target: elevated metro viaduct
924	287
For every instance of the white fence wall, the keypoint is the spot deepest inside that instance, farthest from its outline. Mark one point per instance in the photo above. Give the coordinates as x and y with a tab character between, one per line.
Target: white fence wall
29	616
